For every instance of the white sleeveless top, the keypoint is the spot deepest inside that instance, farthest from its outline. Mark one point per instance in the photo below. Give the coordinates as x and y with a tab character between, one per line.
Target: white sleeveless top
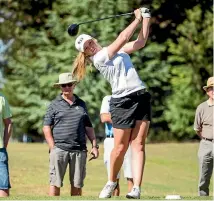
119	71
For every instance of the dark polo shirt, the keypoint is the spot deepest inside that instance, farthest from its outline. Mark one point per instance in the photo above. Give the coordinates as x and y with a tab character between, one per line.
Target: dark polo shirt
68	123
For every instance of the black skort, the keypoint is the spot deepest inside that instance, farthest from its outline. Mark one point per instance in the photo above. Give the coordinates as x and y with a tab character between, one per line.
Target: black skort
126	110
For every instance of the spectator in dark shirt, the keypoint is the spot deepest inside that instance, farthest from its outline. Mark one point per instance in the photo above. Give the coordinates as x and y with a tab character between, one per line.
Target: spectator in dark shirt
66	124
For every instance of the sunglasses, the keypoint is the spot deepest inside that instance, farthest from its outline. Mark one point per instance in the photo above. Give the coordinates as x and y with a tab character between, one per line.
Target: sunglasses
67	85
210	88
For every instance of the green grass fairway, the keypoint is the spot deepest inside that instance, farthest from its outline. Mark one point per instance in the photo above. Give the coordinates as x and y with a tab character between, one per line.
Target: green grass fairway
171	168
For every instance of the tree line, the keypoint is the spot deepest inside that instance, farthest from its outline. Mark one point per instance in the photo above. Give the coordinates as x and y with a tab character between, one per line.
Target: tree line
175	63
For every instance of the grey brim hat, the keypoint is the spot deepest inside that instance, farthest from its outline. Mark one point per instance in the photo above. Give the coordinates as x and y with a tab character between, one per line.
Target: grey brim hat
65	78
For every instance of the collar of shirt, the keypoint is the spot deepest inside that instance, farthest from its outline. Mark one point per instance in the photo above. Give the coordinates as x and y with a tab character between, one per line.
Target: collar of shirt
210	103
60	98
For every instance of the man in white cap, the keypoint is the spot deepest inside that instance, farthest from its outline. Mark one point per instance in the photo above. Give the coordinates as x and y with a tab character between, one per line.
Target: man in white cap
203	125
66	124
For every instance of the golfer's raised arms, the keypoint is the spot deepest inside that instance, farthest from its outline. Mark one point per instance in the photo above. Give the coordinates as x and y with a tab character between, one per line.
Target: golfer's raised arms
125	35
140	42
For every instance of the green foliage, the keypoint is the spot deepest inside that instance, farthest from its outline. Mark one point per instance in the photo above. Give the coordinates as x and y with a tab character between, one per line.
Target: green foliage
174	64
43	53
191	60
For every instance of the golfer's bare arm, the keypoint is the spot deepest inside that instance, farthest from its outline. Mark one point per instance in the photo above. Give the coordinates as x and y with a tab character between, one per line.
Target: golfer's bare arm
140	42
105	118
48	136
7	130
125	35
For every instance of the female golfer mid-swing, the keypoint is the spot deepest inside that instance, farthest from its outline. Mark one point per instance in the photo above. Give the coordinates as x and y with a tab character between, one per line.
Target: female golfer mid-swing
130	106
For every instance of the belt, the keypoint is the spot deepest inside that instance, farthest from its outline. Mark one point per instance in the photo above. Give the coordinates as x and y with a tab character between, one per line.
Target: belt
211	140
110	136
138	93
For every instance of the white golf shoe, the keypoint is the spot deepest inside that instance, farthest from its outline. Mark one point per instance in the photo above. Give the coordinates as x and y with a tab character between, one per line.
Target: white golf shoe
107	190
134	194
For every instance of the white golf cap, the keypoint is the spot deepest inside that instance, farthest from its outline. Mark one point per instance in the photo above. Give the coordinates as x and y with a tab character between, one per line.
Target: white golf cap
80	40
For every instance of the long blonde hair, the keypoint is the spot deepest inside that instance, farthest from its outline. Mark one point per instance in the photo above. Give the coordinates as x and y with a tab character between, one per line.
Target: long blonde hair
79	66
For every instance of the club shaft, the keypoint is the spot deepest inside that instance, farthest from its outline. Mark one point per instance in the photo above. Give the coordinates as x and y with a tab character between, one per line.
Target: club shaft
114	16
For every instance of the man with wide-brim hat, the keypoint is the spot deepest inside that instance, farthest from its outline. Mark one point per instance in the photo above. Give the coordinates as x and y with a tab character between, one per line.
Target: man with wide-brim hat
203	125
66	124
210	83
65	78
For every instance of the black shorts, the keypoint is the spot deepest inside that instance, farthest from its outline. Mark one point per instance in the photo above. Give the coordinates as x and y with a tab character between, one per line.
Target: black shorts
126	110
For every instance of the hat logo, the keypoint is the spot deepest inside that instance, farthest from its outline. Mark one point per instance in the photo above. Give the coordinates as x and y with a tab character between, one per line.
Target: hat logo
81	39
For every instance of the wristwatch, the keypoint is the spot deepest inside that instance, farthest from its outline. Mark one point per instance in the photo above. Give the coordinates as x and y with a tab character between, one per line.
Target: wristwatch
95	146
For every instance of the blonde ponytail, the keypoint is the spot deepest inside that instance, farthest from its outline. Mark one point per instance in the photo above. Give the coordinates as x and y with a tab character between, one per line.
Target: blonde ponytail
79	66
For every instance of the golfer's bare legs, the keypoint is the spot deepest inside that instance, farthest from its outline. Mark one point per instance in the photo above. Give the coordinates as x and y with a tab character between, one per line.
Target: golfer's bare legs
117	190
138	138
121	143
4	192
130	184
54	191
76	191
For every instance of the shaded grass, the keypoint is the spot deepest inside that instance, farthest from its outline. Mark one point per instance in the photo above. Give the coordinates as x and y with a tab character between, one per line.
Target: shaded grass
171	168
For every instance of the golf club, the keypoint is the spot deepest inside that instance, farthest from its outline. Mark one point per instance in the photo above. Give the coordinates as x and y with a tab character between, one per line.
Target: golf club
74	28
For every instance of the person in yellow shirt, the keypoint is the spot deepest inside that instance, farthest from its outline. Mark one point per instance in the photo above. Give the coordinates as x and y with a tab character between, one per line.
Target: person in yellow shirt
5	133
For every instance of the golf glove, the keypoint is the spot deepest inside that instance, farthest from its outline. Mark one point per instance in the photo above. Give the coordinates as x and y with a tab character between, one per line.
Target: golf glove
145	12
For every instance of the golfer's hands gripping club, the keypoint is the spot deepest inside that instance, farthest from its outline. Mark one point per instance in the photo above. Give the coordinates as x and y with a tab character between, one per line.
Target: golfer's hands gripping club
145	12
94	153
138	14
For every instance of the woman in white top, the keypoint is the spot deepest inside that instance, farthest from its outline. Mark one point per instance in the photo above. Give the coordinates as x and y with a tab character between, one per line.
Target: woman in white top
130	106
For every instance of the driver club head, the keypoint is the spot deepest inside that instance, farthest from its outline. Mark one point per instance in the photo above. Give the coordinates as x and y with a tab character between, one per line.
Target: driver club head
73	29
